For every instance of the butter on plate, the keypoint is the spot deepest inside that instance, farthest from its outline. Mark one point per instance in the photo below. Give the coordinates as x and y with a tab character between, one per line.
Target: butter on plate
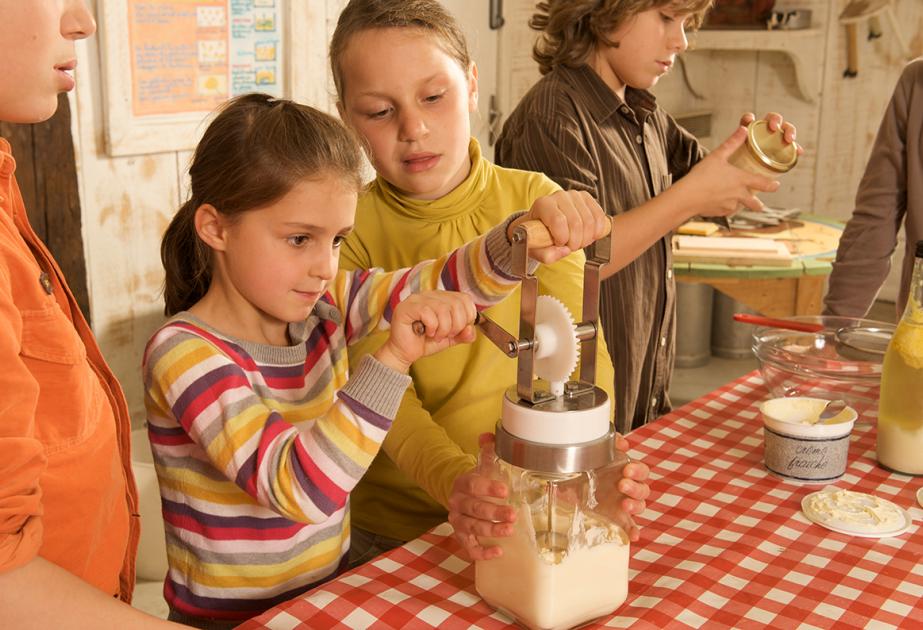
697	228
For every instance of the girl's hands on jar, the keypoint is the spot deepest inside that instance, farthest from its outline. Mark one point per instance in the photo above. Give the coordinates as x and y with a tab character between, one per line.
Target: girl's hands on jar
627	498
477	505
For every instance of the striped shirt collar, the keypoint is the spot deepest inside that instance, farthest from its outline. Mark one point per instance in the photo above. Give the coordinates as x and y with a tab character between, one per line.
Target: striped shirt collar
601	101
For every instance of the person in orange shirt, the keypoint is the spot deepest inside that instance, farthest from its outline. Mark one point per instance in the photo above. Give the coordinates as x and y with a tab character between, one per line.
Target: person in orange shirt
68	505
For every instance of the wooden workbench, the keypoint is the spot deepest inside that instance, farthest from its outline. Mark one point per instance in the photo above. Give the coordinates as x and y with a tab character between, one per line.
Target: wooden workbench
777	291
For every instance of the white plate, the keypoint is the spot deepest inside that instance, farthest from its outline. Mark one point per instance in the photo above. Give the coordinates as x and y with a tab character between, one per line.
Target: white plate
920	497
857	529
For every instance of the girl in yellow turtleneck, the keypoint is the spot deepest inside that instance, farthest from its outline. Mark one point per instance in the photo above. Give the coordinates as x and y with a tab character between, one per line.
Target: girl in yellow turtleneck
406	84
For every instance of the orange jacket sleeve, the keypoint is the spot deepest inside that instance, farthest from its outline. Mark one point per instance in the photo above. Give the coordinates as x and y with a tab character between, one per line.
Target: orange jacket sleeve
21	455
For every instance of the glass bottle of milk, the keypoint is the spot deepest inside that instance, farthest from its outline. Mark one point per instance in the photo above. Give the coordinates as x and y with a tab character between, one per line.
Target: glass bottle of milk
900	408
567	560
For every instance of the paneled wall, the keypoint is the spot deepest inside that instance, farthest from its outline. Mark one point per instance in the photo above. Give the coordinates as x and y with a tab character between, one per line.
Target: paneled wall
836	127
128	201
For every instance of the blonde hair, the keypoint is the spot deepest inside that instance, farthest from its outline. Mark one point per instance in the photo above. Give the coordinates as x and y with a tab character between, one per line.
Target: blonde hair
571	29
426	15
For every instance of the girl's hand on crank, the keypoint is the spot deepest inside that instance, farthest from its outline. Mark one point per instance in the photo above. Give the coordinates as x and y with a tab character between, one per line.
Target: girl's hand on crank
573	218
477	506
447	319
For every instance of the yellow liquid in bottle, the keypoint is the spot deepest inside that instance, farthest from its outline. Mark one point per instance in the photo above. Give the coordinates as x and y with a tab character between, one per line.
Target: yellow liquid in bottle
900	408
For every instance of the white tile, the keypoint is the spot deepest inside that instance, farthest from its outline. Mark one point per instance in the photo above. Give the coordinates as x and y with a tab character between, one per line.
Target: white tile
433	615
897	608
668	499
753	565
759	615
734	582
454	564
321	598
798	578
394	596
425	582
713	599
689	565
386	564
863	575
358	619
355	580
829	611
846	592
691	619
284	621
706	509
778	595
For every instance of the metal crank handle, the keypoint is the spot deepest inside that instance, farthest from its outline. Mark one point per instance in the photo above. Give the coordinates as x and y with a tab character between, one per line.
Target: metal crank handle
419	328
493	331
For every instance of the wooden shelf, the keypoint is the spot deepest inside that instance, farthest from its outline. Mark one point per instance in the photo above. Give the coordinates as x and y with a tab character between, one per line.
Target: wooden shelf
800	45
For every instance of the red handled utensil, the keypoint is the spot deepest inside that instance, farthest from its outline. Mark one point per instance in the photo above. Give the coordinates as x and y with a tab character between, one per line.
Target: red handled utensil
773	322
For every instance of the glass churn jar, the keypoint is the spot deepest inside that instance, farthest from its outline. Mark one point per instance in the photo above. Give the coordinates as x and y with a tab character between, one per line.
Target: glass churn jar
567	560
900	408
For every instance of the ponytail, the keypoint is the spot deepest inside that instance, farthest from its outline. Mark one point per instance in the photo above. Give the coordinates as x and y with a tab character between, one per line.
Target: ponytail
186	260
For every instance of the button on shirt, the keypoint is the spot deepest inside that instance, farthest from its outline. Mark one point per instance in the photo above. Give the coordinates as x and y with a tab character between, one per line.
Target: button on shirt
575	129
66	493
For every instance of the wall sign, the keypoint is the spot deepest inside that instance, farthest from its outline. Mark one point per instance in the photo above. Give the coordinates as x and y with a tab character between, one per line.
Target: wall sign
168	63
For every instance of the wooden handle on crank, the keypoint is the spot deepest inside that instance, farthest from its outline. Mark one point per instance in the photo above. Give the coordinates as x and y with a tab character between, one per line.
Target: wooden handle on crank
538	234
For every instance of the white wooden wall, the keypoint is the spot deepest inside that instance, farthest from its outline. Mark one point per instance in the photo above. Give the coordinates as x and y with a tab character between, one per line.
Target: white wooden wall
837	129
128	201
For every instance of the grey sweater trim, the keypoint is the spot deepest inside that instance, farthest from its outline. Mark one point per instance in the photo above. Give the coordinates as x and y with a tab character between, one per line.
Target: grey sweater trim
377	386
500	250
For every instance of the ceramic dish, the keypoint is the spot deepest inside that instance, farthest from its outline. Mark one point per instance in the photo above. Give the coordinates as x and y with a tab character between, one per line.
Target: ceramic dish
856	513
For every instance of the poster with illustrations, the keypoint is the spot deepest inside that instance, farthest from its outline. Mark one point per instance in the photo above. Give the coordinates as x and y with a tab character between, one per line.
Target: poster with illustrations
183	58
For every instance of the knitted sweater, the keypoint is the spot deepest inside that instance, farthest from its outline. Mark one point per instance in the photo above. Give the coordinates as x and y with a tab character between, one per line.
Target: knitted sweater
456	394
257	447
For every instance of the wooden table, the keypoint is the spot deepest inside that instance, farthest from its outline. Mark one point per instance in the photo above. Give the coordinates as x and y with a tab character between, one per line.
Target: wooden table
724	545
797	289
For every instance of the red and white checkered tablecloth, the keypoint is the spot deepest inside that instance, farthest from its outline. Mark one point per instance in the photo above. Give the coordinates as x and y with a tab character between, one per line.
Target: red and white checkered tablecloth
724	545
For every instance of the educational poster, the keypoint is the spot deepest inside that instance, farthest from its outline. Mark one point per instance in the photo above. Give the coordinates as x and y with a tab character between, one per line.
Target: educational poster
189	56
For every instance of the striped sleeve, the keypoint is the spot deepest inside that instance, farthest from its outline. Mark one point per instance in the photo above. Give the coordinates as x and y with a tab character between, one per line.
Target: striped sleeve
481	268
213	391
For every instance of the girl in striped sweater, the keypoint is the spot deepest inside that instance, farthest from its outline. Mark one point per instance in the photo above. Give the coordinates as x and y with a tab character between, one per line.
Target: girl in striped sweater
258	431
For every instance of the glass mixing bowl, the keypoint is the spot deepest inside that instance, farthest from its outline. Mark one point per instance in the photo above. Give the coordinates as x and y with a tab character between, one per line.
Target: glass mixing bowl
841	360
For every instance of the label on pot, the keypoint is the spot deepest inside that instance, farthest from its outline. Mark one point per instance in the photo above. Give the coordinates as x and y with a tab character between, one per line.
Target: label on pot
805	459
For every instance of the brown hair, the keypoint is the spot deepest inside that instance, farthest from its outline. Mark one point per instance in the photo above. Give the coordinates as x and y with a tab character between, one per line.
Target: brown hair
252	154
427	15
571	29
